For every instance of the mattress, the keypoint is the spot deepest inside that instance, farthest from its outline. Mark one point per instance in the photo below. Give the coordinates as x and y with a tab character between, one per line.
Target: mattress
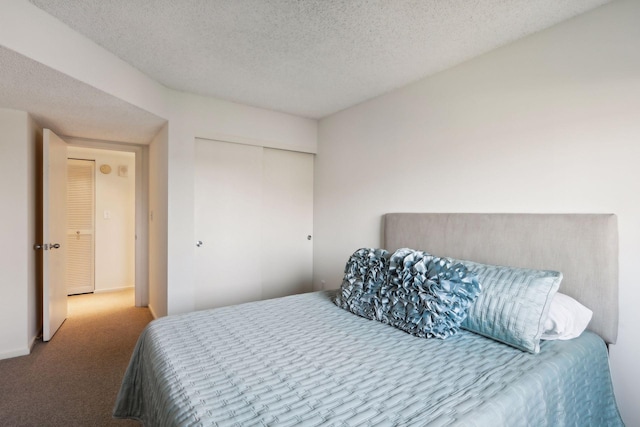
301	360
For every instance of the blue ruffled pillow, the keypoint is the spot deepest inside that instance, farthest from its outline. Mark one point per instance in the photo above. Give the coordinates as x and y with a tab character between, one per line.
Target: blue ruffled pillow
427	296
364	275
414	291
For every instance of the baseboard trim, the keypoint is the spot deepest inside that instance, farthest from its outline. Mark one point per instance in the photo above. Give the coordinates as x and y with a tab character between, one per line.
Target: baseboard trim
153	313
14	353
32	342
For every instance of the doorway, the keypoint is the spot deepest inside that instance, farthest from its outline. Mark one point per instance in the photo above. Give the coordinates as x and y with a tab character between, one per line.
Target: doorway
114	195
139	174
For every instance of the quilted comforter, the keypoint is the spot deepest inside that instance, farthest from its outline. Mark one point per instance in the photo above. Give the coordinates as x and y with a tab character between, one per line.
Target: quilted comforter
301	360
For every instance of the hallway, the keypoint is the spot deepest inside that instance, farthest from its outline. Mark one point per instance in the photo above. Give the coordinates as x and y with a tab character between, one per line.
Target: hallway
73	379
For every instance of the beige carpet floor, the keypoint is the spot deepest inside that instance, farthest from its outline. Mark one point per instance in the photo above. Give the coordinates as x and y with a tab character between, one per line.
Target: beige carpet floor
73	379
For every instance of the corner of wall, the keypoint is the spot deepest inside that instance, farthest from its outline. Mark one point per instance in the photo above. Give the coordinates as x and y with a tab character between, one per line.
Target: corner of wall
158	222
34	292
152	311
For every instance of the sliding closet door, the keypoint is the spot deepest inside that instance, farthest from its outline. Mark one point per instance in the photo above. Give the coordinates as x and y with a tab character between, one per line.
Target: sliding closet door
228	201
254	218
287	212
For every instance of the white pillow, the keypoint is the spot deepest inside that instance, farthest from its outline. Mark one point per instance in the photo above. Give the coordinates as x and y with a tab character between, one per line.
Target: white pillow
567	318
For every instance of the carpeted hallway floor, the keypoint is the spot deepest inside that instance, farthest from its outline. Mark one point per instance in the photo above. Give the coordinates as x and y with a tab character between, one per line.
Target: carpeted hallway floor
73	379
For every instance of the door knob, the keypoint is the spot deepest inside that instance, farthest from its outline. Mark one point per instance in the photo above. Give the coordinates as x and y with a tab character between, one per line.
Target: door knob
199	243
54	246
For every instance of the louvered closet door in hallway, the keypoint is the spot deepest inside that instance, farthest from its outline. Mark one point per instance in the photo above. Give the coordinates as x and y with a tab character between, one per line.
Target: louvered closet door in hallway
80	226
254	218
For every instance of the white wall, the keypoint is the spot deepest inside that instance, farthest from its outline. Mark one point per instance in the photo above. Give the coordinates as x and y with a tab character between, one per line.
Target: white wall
17	228
115	236
195	116
31	32
548	124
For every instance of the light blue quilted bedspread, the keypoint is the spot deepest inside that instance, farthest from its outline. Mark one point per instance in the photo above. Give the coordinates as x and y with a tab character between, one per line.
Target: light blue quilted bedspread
301	360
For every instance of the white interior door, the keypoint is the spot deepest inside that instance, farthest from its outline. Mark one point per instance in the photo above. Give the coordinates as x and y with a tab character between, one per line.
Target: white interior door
287	218
80	226
228	197
54	227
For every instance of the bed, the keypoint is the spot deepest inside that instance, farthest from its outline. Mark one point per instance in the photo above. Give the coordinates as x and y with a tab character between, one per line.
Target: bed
304	360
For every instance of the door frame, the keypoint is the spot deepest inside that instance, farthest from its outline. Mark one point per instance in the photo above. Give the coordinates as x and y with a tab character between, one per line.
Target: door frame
141	206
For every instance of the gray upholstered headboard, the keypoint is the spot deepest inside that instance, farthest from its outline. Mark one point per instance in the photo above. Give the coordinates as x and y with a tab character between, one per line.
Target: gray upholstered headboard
584	247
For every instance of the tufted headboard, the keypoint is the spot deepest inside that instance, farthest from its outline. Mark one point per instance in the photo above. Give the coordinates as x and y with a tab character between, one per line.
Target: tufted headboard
584	247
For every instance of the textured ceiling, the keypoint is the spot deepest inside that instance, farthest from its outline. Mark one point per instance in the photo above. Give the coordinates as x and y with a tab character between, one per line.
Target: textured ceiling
305	57
69	107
